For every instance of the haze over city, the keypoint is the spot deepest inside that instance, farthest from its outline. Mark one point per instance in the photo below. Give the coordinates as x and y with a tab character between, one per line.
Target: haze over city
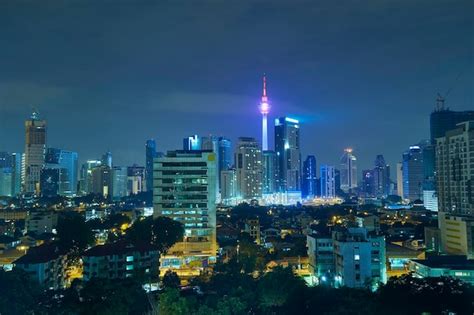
108	77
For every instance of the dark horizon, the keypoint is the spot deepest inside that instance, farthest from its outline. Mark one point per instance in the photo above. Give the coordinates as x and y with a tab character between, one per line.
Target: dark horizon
110	77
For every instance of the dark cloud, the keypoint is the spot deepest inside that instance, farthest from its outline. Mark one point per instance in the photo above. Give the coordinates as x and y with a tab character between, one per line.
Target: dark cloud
110	74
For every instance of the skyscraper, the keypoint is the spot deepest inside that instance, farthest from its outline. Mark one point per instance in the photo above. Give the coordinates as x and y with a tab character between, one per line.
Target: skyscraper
443	119
328	181
135	179
264	110
455	169
192	143
102	180
228	185
224	156
184	184
119	182
368	183
269	172
455	182
381	175
400	179
86	178
413	174
348	171
287	147
66	163
248	163
150	154
107	159
309	177
35	149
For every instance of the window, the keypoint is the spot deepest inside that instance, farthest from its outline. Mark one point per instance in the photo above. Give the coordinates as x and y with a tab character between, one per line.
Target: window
356	257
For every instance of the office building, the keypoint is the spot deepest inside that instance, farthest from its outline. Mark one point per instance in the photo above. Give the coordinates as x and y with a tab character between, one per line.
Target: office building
430	200
269	172
309	177
192	143
457	234
66	164
264	110
85	182
400	179
49	182
381	175
443	119
6	181
136	179
150	154
224	155
184	190
368	183
121	260
359	259
107	159
348	171
455	169
248	163
287	148
102	181
35	150
413	173
228	186
328	182
119	182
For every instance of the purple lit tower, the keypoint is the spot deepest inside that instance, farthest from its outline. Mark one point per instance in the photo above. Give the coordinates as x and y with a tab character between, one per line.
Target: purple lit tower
264	109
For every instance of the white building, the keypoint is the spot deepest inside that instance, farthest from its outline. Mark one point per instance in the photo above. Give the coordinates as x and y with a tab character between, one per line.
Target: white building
185	190
248	163
359	259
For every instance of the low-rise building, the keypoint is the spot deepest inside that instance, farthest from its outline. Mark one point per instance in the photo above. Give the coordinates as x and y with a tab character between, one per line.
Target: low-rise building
40	222
321	257
45	264
444	266
121	260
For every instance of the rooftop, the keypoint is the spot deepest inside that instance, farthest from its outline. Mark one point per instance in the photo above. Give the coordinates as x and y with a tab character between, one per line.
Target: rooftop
119	248
40	254
455	262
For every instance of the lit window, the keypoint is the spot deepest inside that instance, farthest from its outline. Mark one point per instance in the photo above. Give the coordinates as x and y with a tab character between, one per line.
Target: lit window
129	267
129	258
356	257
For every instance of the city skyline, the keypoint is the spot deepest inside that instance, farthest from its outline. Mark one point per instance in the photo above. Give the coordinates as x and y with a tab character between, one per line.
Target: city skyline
128	96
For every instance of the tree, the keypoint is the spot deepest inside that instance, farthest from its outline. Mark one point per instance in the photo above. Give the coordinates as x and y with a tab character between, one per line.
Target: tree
171	280
171	303
275	288
18	293
162	232
73	232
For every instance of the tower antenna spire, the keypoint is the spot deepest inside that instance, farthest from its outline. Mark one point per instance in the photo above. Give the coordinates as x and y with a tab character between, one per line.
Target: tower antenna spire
264	94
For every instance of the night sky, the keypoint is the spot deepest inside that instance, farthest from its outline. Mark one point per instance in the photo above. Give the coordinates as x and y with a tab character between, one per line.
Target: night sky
107	75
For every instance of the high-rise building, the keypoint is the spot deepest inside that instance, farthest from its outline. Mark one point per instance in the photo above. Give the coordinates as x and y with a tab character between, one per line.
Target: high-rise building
192	143
66	163
413	173
107	159
400	179
184	190
85	182
224	156
248	163
381	174
228	186
264	110
287	147
35	149
150	154
119	182
348	171
135	179
443	119
50	182
455	169
102	180
328	181
368	183
6	181
309	177
269	172
17	170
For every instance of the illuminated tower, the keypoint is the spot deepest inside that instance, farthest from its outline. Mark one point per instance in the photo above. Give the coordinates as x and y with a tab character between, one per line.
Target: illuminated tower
264	109
35	150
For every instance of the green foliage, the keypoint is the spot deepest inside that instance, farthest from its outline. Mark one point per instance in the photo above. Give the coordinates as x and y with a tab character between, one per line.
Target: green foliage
162	232
73	232
171	303
18	293
171	279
